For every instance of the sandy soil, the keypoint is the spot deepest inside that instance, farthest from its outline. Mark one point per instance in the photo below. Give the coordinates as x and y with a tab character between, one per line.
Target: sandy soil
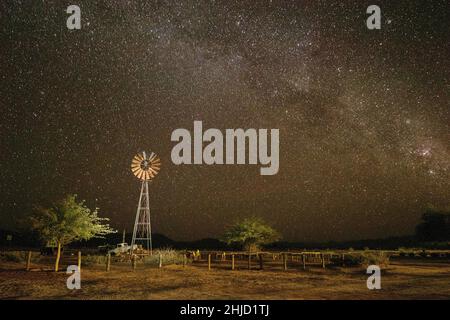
399	281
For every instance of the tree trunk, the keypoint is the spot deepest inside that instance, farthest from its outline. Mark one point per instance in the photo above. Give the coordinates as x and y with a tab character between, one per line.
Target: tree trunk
58	256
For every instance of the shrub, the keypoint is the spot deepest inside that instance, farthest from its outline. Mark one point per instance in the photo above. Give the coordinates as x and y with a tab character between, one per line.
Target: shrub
169	256
364	258
349	260
14	256
93	260
379	258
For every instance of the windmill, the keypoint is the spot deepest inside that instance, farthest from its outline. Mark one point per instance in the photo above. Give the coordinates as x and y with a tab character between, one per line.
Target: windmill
144	168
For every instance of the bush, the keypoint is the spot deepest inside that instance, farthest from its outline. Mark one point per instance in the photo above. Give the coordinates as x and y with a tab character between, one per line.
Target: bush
364	258
93	259
169	256
13	256
402	251
379	258
349	260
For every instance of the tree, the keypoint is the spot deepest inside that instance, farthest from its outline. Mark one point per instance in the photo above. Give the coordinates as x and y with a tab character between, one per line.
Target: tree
251	233
435	226
66	221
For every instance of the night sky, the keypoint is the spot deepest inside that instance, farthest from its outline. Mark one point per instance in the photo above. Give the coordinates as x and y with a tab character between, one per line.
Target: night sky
364	115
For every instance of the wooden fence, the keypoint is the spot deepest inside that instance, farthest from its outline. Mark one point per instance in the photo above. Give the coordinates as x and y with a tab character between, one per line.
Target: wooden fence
299	260
230	260
260	260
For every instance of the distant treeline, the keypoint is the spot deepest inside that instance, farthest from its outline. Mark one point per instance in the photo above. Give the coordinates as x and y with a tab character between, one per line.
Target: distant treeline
161	241
432	232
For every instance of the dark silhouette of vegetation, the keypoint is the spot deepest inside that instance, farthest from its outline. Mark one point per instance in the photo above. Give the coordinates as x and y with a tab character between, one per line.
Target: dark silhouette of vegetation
435	226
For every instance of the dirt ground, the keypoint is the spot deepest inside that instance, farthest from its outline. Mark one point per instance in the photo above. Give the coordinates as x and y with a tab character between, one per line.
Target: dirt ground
401	280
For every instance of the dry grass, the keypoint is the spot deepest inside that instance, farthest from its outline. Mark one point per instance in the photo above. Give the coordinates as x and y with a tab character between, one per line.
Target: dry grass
399	281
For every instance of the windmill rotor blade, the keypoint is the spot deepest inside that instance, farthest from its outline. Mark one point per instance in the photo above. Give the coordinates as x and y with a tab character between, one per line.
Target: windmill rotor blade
152	156
157	161
135	165
155	168
157	165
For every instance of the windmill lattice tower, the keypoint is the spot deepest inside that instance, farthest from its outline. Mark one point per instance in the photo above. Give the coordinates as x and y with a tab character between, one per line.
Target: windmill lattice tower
145	168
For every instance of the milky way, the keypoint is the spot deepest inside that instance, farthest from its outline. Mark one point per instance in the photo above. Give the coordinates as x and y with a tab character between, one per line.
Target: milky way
364	115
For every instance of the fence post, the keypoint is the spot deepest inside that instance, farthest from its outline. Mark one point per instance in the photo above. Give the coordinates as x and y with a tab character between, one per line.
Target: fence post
323	260
184	260
249	261
79	261
160	260
343	259
28	260
209	261
133	262
284	261
260	256
232	261
304	261
108	262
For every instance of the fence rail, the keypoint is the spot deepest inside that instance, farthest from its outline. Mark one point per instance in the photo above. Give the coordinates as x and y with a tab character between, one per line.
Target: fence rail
234	260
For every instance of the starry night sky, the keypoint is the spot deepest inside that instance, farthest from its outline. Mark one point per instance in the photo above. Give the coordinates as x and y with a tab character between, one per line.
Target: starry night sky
364	116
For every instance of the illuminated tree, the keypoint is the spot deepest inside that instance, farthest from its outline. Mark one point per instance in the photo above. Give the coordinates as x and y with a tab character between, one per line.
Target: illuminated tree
251	233
67	221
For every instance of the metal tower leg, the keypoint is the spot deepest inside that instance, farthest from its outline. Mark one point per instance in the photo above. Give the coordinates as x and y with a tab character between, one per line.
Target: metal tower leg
142	231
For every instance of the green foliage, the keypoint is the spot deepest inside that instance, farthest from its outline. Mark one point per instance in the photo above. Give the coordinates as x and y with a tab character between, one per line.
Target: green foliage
67	221
349	261
89	260
13	256
379	258
367	258
363	258
169	256
251	233
19	256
